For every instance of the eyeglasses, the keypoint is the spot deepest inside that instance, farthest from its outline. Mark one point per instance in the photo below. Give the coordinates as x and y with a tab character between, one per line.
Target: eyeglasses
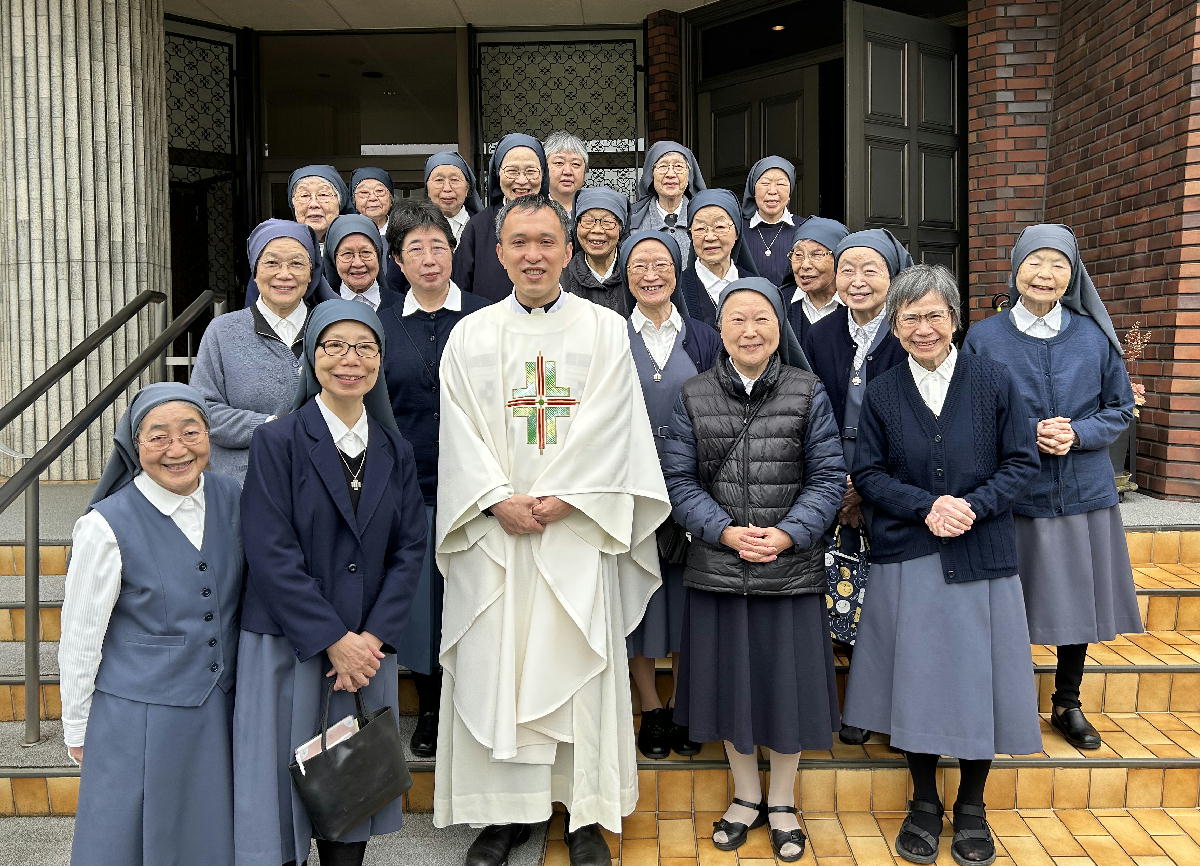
347	256
815	257
338	348
161	442
720	229
452	181
513	173
666	167
295	266
933	317
660	268
588	223
368	194
416	252
323	197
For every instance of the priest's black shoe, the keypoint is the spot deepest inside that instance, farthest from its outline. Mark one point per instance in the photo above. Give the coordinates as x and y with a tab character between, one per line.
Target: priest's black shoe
424	738
1075	728
493	844
587	846
853	736
654	734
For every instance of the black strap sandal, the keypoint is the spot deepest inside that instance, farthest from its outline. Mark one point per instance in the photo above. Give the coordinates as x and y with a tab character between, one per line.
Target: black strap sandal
909	826
779	838
973	855
735	831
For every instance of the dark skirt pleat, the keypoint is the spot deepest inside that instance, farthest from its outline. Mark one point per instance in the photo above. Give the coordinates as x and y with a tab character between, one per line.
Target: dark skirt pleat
418	649
660	632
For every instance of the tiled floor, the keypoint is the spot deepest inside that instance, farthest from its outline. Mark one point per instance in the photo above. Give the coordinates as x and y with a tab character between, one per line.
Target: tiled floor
1025	837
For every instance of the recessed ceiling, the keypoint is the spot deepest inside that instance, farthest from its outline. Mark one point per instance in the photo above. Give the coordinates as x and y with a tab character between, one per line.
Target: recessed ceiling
398	14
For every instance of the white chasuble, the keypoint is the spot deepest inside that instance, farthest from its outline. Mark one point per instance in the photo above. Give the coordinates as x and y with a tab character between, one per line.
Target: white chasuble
535	700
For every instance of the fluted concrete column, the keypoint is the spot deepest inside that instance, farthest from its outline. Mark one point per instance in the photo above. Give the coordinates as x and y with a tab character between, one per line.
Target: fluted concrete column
84	215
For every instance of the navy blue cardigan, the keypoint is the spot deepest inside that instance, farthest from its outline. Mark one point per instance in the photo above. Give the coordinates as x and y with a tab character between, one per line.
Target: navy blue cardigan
317	567
800	323
981	449
699	304
830	350
1078	375
411	367
477	268
701	343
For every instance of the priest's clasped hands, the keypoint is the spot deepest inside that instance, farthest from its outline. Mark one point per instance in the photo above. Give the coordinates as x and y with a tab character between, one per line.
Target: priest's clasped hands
522	514
756	544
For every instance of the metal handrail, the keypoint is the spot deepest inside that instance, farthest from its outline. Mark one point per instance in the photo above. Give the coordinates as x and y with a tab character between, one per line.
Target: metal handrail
12	410
25	480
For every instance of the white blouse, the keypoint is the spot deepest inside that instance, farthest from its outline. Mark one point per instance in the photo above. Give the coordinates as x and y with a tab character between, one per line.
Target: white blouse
659	340
934	384
93	584
351	441
1043	327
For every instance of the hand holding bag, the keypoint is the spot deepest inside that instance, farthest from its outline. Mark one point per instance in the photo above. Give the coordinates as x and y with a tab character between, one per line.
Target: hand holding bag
350	781
846	576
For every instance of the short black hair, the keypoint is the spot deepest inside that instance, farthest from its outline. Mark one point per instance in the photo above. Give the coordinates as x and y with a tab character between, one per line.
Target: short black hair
530	204
409	215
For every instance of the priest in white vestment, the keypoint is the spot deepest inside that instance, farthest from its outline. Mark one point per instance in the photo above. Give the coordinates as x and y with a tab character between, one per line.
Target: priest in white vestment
549	493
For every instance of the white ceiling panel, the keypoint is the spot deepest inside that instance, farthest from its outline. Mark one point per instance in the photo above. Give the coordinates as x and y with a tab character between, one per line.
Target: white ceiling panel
276	14
396	14
521	13
196	9
631	11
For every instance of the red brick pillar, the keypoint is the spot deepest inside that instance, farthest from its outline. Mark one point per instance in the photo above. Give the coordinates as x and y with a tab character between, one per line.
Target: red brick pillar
1125	174
664	76
1010	73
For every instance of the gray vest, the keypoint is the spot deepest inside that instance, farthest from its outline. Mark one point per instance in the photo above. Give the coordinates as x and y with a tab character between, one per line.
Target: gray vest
173	634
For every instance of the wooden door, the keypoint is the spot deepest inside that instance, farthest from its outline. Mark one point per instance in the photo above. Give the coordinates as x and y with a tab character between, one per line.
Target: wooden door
903	138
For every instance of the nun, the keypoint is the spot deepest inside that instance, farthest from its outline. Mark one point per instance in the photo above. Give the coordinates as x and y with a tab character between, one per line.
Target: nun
149	644
658	325
719	255
248	360
757	666
943	663
767	223
339	534
811	273
355	252
422	244
670	179
601	218
518	168
318	194
849	348
372	192
1059	345
450	184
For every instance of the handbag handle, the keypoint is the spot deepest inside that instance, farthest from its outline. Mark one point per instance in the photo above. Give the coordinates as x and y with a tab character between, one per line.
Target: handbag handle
359	709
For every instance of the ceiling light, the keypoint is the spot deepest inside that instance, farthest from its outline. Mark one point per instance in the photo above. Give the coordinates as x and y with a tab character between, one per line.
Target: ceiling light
777	27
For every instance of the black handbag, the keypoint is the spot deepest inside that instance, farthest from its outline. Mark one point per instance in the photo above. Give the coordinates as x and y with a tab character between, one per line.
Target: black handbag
673	542
350	781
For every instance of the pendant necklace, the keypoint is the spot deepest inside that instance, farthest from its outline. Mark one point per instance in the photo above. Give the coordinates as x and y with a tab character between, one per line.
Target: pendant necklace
355	484
767	246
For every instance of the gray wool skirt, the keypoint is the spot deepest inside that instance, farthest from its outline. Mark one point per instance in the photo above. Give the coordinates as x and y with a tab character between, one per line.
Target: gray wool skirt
1076	577
157	784
660	632
278	708
944	668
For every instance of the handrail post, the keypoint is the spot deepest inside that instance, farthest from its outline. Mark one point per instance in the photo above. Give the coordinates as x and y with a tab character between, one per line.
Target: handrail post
33	598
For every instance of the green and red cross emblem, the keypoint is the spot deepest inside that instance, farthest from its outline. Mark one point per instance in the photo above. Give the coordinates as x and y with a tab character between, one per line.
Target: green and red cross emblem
542	402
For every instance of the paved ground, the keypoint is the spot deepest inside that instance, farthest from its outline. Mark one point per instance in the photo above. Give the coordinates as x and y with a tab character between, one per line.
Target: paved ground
418	843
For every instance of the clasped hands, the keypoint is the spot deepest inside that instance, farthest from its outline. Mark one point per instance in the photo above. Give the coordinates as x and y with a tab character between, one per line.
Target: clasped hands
950	517
355	659
1055	435
522	514
756	543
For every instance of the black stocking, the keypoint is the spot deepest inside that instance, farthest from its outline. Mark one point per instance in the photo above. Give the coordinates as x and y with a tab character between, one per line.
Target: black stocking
429	691
341	853
923	769
973	778
1068	676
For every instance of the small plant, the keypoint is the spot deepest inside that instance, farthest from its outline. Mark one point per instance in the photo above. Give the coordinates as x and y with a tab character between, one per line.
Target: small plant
1135	342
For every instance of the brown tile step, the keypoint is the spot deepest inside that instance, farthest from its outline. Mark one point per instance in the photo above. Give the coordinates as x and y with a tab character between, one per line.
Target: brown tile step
1026	835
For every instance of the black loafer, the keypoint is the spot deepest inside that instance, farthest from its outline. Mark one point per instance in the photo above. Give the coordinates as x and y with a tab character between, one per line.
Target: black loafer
681	743
587	847
424	738
779	838
735	831
654	735
493	844
1075	728
853	736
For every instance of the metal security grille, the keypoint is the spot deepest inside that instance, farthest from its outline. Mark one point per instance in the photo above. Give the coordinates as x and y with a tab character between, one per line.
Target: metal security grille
588	88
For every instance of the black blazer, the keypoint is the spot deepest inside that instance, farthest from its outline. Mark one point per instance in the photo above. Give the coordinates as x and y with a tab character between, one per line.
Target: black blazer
830	351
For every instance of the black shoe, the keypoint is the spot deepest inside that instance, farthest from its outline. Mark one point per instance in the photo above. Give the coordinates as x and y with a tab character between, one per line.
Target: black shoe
654	736
779	838
341	853
493	844
681	743
1075	728
735	831
853	736
587	846
911	828
973	847
424	738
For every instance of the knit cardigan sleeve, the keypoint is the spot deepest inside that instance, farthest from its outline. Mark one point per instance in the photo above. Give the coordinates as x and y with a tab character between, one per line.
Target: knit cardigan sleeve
872	459
1102	428
1016	452
229	426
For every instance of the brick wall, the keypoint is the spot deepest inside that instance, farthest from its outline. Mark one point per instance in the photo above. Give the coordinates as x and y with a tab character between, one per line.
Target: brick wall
664	76
1125	175
1010	72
